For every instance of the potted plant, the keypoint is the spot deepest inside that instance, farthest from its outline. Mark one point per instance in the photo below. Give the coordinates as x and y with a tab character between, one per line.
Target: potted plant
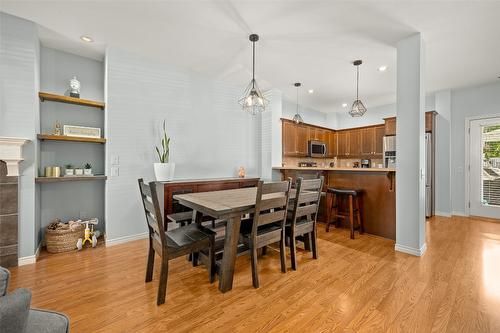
164	170
69	171
87	169
78	172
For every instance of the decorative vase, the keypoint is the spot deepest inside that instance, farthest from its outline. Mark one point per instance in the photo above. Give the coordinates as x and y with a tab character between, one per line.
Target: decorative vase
78	172
87	172
164	171
68	172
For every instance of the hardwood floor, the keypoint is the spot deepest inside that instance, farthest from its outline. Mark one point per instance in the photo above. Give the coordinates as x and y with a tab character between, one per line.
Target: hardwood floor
355	285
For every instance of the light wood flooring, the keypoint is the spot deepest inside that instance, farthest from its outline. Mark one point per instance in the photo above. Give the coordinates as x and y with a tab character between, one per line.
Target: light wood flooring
355	285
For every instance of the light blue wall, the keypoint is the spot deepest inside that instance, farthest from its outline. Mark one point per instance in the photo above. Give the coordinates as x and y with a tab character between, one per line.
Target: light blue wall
210	135
309	115
467	102
19	75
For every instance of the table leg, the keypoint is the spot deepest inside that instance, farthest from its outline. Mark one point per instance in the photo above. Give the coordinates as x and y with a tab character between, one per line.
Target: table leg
229	256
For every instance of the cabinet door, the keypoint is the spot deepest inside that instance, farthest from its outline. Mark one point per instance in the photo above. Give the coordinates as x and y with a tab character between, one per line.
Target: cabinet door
367	141
343	143
332	144
289	138
390	126
429	118
321	135
302	139
379	140
354	143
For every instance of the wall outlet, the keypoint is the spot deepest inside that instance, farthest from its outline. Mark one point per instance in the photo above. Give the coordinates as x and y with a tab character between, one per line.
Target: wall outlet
115	171
115	160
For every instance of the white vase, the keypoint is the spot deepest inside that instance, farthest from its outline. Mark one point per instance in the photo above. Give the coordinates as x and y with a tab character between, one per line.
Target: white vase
164	171
87	172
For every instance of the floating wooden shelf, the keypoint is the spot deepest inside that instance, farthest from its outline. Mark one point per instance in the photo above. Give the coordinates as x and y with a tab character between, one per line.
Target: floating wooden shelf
68	179
70	138
70	100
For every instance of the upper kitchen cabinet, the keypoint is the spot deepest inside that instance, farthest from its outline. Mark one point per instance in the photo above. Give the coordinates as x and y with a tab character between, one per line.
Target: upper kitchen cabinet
372	140
379	140
318	134
294	139
343	143
390	123
354	142
331	144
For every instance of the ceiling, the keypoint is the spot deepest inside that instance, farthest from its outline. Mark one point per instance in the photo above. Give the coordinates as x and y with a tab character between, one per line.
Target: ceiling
313	42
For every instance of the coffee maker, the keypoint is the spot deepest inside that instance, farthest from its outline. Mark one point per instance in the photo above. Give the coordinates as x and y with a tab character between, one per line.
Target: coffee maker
366	163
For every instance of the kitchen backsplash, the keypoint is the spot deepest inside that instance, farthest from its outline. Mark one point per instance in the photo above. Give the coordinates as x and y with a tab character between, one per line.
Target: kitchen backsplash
325	162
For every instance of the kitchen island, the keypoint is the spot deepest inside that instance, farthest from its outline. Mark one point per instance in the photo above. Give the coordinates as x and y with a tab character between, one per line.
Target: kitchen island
378	203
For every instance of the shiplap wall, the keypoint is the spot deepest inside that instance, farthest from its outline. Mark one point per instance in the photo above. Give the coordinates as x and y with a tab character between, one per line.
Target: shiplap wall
210	135
19	74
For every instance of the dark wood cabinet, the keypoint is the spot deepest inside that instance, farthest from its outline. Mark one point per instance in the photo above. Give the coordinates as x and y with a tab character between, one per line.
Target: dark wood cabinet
331	144
301	140
354	143
372	141
379	140
342	143
294	139
390	126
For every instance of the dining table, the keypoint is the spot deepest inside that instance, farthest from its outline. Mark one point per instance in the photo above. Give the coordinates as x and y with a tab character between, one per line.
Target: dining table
228	205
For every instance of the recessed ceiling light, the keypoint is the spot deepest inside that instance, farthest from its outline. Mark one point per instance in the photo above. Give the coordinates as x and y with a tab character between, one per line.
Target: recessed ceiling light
382	68
86	39
310	91
344	105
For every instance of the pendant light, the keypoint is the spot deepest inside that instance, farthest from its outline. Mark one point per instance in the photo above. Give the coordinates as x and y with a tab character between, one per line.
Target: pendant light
357	109
297	118
253	101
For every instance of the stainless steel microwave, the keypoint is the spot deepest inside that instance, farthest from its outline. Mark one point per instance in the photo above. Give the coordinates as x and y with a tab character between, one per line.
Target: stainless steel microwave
316	149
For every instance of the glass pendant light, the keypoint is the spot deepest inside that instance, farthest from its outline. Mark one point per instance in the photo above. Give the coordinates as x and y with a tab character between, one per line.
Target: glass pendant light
253	101
297	118
357	109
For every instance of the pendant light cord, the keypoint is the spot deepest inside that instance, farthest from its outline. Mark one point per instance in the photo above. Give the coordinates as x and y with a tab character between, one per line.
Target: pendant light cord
253	65
298	100
357	82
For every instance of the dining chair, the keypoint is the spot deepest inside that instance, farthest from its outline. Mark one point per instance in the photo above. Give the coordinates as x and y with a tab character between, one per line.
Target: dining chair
267	225
174	243
302	216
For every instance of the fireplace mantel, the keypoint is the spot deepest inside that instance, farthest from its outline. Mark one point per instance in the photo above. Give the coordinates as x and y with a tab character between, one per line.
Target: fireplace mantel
11	153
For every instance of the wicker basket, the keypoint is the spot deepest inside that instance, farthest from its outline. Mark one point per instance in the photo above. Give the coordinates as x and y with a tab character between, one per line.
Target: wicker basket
63	240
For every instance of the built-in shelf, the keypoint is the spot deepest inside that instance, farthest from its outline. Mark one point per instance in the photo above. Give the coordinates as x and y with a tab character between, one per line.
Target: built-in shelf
70	138
70	100
68	179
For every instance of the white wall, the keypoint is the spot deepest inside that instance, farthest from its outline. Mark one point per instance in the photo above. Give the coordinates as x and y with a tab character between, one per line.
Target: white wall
19	68
442	144
210	135
309	115
467	102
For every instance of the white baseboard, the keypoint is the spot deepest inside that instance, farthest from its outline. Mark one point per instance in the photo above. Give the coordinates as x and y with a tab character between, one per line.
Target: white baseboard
458	213
445	214
126	239
29	259
410	250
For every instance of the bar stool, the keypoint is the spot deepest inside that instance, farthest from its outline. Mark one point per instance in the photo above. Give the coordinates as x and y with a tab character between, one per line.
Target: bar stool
353	208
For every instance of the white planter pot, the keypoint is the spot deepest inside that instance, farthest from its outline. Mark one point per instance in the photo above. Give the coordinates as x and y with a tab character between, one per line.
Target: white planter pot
164	171
78	172
87	172
68	172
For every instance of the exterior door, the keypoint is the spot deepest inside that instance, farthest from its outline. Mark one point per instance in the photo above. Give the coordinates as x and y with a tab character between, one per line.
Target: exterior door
484	162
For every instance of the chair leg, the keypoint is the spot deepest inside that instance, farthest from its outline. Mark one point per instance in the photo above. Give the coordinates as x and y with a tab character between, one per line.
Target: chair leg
360	221
264	250
314	244
255	276
307	242
162	288
194	257
283	252
351	216
151	263
339	202
211	260
293	252
331	209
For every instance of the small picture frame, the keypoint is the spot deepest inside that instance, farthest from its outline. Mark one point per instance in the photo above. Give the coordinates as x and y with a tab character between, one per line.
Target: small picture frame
81	131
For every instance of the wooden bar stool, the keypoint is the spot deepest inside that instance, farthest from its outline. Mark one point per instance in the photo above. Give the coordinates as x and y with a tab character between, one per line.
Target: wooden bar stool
352	207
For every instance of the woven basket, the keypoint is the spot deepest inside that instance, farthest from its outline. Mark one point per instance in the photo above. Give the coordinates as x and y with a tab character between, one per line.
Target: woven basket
63	240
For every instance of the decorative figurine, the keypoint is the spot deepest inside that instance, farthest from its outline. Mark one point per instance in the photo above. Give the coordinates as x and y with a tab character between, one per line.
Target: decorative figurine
57	128
241	172
74	87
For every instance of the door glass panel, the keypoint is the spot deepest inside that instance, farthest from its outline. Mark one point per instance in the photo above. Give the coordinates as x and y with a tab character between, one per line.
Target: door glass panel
490	173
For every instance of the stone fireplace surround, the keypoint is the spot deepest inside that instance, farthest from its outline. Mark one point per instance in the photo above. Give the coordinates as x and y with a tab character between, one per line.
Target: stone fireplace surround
10	157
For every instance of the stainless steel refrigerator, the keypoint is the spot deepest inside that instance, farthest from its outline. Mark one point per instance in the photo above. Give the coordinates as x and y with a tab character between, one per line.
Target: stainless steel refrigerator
428	175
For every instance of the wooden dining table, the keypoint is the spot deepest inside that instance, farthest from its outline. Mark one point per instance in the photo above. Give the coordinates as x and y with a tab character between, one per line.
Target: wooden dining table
228	205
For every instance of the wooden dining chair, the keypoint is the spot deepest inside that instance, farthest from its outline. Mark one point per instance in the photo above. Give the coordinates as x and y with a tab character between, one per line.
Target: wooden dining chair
302	216
171	244
267	225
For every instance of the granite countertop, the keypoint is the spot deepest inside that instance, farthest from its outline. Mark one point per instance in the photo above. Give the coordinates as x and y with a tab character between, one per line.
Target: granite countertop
336	169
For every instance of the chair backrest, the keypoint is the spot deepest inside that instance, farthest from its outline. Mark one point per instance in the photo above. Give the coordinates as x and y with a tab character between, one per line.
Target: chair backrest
271	204
307	197
153	212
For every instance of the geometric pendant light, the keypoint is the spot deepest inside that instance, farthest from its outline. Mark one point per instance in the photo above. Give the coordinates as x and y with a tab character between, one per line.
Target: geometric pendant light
253	101
357	109
297	118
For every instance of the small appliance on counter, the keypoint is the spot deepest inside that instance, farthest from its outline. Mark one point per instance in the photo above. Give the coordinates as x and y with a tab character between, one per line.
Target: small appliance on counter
389	151
367	163
308	164
355	164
